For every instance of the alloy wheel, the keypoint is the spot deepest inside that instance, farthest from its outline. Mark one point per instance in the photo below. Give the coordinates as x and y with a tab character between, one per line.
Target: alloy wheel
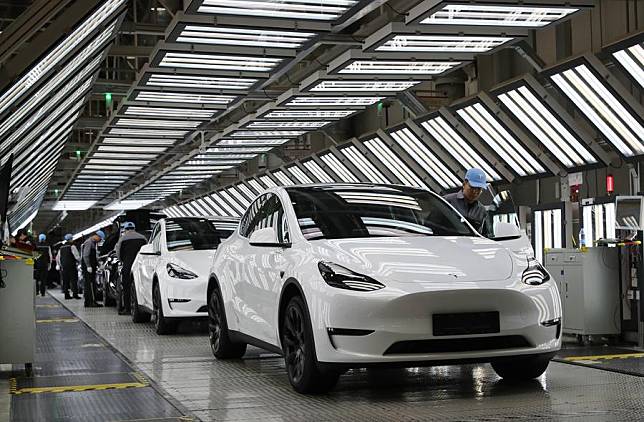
214	322
295	347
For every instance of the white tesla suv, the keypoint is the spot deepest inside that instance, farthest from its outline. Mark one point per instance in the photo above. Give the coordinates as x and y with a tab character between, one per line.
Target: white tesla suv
345	276
170	273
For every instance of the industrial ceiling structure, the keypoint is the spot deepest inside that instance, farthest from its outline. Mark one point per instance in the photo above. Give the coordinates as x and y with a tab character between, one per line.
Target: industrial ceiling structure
231	81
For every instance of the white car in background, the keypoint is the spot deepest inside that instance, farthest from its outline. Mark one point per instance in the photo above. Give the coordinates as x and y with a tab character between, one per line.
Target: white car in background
170	273
348	276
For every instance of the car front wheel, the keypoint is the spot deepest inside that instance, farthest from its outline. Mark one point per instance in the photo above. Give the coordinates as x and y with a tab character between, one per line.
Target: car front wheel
162	325
299	352
220	343
521	368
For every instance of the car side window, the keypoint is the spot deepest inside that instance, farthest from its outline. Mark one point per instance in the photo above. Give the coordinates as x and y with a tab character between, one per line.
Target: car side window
246	226
271	214
155	239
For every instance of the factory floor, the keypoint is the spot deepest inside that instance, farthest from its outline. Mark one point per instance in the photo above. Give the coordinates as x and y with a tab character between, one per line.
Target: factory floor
94	365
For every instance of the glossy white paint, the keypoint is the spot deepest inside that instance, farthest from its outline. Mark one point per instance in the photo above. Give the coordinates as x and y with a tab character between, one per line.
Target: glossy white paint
147	268
422	275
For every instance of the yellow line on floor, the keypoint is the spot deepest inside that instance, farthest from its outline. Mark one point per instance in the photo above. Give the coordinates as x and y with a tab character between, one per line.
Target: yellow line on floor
606	357
47	306
57	320
78	388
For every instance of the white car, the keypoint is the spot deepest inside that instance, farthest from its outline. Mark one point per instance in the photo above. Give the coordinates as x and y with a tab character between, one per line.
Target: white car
346	276
170	273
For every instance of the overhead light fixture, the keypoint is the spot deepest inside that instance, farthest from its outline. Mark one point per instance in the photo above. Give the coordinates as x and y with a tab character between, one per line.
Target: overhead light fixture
238	150
308	114
148	132
137	141
60	52
299	174
363	86
327	10
418	151
72	205
239	197
132	149
130	169
200	82
219	62
401	67
488	128
264	124
249	37
246	191
394	163
268	182
251	142
622	128
443	43
137	111
317	172
364	165
528	110
333	101
511	15
125	156
157	123
632	60
178	97
267	133
338	168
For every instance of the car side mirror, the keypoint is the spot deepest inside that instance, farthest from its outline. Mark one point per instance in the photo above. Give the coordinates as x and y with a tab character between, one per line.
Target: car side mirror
266	237
148	249
506	231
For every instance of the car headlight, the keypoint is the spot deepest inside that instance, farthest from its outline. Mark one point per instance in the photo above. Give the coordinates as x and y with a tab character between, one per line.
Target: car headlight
535	274
176	271
343	278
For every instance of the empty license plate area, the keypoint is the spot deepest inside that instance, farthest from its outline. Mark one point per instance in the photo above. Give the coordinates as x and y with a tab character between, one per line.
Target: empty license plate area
465	323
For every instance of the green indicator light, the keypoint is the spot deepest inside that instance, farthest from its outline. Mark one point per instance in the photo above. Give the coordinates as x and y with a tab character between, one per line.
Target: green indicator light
108	97
380	106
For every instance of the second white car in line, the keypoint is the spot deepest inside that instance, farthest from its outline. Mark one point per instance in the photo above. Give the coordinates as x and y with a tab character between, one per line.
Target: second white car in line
345	276
170	273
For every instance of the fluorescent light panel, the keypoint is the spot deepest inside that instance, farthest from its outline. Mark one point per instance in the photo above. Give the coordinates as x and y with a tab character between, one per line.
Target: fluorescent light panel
148	132
442	43
326	10
283	178
333	101
178	97
219	62
299	174
137	141
132	149
365	166
392	67
251	142
632	59
623	130
498	15
156	123
200	82
308	114
264	124
267	133
393	162
417	150
219	35
363	86
338	168
268	182
169	112
546	128
72	205
488	128
317	172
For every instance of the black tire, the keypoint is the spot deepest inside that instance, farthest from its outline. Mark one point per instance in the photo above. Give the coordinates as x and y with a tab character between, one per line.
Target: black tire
162	324
220	343
107	299
298	346
521	368
138	315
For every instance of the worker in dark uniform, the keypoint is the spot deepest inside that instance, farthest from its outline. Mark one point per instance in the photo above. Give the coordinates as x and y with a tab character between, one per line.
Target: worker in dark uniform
68	259
126	249
90	264
466	201
42	265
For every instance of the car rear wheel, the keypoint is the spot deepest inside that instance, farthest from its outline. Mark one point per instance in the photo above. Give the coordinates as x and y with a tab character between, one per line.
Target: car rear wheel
521	368
220	343
162	325
138	315
299	352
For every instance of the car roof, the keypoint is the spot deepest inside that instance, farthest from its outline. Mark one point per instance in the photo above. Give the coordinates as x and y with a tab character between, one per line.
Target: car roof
357	186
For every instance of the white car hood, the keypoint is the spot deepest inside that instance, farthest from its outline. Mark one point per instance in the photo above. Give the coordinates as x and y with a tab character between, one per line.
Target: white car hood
422	259
196	261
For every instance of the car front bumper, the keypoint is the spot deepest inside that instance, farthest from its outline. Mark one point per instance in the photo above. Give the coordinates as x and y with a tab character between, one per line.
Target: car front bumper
184	298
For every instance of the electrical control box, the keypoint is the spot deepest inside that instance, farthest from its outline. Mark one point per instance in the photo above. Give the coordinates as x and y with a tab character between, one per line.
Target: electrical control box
589	286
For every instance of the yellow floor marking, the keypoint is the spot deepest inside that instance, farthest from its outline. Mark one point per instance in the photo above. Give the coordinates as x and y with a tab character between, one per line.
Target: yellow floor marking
77	388
47	306
57	320
606	357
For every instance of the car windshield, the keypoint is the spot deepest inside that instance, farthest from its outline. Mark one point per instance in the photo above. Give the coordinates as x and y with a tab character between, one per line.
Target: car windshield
186	234
374	211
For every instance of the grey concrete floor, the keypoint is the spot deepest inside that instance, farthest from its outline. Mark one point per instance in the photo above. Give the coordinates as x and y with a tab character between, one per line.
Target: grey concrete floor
5	398
256	388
